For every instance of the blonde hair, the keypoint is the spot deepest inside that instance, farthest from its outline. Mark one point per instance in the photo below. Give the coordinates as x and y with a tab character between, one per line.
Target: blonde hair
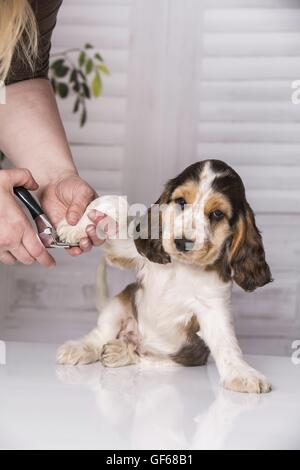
18	33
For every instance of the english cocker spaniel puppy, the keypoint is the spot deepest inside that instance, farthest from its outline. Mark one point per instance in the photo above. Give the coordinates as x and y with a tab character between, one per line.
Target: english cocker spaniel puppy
189	248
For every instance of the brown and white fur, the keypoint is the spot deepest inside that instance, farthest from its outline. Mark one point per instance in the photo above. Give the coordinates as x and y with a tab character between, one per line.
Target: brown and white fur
179	309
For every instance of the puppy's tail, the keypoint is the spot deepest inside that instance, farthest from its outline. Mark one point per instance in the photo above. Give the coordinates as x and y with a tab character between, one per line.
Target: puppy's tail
102	295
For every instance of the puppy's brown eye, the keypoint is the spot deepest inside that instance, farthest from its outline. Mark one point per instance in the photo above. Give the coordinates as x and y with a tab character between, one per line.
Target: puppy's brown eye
216	215
181	202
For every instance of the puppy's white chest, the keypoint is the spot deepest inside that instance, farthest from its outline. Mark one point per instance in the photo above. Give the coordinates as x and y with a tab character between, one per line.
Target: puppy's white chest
169	298
168	286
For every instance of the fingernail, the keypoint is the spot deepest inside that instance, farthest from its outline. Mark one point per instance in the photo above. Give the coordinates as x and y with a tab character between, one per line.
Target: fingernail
72	218
91	231
92	214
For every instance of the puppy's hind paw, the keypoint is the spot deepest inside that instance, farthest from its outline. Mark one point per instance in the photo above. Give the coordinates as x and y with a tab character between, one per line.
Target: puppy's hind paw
77	353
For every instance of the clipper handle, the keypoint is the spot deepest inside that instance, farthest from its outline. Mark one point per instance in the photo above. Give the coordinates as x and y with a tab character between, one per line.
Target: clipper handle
29	201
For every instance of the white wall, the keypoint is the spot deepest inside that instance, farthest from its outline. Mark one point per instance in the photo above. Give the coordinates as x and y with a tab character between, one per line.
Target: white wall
190	80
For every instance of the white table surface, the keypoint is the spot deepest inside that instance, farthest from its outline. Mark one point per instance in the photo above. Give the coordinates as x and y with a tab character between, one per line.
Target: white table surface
43	406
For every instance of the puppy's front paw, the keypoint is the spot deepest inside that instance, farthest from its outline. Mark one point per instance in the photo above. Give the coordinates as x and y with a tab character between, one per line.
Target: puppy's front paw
75	353
69	233
248	382
118	353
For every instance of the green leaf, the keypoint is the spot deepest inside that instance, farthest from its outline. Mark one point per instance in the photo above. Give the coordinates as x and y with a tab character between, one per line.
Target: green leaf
82	59
88	46
99	57
89	66
62	72
97	86
86	90
73	76
76	87
83	117
103	69
60	69
63	90
57	63
76	106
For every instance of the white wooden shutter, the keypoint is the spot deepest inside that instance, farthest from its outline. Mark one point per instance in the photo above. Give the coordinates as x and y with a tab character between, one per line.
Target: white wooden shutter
251	56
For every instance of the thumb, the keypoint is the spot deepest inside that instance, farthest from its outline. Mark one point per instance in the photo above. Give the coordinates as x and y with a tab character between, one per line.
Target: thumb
22	177
81	200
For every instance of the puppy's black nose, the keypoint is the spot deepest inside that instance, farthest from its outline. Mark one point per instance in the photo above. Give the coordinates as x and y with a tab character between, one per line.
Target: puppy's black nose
183	244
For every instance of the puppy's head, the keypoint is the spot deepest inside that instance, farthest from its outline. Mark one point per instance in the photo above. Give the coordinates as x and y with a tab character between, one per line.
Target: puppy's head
204	219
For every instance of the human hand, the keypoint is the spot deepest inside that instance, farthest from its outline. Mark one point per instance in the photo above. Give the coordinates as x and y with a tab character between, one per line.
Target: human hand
18	240
68	197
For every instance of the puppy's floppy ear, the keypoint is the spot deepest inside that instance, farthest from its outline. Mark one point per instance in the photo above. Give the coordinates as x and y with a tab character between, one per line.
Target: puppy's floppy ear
247	254
149	243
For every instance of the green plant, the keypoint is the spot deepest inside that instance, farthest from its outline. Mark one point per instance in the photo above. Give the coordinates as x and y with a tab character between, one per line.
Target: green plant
77	71
79	75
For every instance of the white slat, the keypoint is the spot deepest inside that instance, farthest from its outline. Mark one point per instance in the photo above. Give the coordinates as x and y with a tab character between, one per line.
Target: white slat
105	37
95	14
250	153
252	44
98	158
216	4
106	180
249	132
273	201
95	133
246	90
270	177
252	20
251	68
246	111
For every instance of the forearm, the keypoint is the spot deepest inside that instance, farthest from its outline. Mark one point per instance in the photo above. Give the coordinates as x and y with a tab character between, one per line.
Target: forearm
31	132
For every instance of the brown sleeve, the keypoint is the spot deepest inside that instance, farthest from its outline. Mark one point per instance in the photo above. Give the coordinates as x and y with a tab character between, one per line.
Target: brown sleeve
46	13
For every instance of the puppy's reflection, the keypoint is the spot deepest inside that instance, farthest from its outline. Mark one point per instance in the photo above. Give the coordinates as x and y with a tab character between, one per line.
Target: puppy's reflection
160	408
